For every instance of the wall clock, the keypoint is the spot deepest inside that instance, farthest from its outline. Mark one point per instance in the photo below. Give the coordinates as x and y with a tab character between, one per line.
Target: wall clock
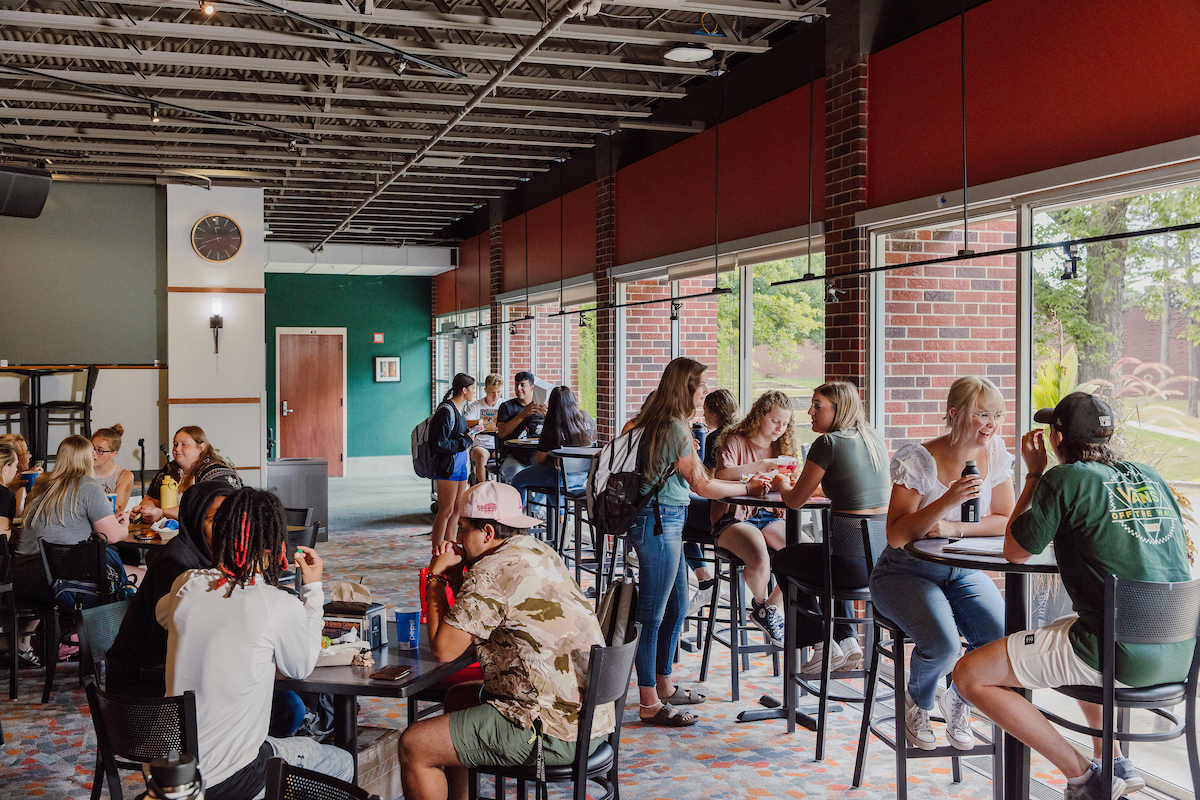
216	238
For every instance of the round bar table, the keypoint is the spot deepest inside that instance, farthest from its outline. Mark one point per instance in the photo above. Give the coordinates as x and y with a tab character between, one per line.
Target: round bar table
1015	776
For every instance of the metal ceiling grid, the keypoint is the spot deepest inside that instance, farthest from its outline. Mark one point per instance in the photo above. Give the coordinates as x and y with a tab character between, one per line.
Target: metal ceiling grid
271	94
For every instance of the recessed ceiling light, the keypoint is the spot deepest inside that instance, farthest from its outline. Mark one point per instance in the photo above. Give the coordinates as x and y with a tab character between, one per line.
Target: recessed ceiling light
688	53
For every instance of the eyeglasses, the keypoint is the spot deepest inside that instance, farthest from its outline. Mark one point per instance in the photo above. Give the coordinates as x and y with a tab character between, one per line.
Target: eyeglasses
988	417
101	451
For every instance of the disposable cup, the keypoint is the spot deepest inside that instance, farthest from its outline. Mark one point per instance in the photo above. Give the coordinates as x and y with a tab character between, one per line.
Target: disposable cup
112	498
787	464
408	628
29	478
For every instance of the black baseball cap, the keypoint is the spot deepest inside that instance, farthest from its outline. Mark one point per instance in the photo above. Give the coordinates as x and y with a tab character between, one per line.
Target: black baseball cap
1080	417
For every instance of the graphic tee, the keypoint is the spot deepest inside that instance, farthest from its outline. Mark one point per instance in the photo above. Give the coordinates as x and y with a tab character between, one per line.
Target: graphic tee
1110	520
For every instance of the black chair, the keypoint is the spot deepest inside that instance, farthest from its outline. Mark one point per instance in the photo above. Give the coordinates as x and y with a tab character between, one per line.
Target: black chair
83	561
11	624
736	627
131	731
298	517
23	414
285	782
67	412
888	641
97	631
307	538
1142	612
847	536
608	674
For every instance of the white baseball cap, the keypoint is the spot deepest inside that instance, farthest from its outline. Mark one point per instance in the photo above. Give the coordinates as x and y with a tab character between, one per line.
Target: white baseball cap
495	501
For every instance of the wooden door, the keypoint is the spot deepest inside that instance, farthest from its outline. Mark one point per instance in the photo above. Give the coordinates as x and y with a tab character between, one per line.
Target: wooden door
311	398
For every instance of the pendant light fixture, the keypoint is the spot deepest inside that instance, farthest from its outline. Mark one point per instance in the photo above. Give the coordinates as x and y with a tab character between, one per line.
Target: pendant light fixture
966	251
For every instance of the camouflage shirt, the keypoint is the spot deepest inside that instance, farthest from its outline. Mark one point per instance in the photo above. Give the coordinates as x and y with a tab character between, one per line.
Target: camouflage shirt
534	632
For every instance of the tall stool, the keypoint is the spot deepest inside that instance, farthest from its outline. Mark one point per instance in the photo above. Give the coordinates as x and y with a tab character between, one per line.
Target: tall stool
576	508
737	627
67	412
693	534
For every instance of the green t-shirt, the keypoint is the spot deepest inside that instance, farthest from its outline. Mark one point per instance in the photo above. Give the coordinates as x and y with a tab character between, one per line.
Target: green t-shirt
677	442
1110	520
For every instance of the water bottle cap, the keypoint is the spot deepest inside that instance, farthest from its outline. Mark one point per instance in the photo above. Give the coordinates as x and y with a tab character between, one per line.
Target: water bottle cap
172	772
970	463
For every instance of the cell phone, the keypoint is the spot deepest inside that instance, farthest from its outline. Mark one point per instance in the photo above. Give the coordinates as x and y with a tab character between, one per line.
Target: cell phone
393	673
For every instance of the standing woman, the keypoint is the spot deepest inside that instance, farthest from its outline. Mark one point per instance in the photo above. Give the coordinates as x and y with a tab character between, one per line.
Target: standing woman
850	461
667	454
193	460
106	443
449	447
753	446
933	604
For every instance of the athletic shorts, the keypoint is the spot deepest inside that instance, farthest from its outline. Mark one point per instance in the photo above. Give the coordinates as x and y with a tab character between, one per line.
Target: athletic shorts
1044	658
483	737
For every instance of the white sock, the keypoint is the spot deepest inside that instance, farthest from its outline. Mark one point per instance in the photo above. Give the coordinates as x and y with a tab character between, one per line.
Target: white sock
1082	779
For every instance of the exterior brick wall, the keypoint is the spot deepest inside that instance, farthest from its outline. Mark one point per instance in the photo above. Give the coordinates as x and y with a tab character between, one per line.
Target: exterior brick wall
495	282
606	321
945	321
519	354
549	352
647	340
698	325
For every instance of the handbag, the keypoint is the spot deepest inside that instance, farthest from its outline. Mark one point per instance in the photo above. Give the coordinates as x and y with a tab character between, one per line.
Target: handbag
80	587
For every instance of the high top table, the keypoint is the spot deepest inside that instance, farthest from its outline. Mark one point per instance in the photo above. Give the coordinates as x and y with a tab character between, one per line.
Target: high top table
1015	775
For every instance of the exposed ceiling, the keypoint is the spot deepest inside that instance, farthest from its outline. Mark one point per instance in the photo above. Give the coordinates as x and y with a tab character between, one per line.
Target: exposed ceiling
271	94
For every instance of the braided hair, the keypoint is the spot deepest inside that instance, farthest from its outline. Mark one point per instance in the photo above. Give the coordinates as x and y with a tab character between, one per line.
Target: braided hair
249	536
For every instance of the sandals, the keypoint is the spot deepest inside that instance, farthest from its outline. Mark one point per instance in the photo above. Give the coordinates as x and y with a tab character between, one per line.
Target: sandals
684	697
670	717
29	658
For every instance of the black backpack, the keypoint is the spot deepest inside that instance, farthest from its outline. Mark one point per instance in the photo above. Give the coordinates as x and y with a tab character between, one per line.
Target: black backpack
615	484
422	458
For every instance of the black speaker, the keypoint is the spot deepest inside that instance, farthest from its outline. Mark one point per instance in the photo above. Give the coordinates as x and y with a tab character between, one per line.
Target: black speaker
23	191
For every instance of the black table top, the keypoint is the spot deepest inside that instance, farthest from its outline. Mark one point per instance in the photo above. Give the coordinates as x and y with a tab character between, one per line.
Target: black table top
772	500
934	550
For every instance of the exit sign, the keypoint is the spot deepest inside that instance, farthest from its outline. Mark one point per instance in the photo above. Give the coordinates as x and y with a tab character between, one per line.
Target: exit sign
377	338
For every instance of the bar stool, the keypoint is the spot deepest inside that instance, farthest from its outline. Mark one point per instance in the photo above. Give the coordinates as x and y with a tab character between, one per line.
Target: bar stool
23	415
67	412
576	507
728	570
703	538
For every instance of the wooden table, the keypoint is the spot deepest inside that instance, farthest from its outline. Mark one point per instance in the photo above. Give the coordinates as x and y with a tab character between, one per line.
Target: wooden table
1015	776
158	541
346	684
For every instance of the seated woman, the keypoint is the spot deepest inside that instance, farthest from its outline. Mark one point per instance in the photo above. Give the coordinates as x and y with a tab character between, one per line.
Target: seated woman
17	485
720	411
849	458
485	443
748	448
65	507
937	605
9	463
106	443
193	460
567	425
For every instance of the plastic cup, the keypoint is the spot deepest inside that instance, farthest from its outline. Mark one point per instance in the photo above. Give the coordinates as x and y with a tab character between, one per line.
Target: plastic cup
787	464
408	628
29	477
112	498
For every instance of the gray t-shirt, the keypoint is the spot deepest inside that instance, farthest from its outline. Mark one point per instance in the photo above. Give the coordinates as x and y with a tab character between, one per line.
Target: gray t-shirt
851	481
74	526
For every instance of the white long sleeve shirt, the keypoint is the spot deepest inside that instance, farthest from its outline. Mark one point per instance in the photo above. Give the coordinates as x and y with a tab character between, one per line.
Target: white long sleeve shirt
226	650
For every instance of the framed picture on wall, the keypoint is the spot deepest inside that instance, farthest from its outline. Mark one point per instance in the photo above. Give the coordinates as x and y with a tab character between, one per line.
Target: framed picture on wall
387	369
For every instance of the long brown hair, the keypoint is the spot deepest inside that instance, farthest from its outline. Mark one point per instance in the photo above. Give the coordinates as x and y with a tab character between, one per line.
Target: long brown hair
672	402
60	488
767	402
207	453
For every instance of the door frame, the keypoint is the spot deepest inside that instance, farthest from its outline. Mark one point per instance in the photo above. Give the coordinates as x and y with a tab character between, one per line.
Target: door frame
314	331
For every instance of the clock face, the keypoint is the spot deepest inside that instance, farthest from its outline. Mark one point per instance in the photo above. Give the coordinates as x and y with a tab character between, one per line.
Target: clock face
216	238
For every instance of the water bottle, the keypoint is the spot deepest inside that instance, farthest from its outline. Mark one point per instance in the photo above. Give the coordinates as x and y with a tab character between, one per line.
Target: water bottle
174	778
970	509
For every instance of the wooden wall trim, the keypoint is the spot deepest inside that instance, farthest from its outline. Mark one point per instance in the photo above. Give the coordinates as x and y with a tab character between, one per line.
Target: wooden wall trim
197	401
216	289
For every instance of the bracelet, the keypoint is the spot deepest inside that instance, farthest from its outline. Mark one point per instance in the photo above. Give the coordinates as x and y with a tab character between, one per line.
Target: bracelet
1035	475
433	579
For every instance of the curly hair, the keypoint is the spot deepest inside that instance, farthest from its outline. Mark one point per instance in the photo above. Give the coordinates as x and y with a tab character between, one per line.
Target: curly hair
767	402
249	537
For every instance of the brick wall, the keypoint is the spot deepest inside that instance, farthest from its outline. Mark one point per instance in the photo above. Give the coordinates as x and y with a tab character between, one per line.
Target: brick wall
549	344
946	321
698	325
517	343
496	281
647	340
605	321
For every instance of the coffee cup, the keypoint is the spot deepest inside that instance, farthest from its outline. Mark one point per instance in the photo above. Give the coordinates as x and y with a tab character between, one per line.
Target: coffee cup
408	628
29	476
787	465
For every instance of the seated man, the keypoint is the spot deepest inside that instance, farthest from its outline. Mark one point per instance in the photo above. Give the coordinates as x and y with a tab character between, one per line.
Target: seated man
514	417
534	632
1105	517
229	628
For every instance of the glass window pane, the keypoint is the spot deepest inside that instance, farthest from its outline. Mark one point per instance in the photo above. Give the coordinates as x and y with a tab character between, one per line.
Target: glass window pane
582	358
709	330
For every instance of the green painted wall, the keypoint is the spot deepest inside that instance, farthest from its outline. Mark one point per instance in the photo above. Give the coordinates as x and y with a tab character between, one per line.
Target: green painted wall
380	416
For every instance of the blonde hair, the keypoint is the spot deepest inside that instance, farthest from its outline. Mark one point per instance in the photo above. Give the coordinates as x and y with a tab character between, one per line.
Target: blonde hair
965	394
849	415
60	488
111	435
785	445
8	455
492	380
16	441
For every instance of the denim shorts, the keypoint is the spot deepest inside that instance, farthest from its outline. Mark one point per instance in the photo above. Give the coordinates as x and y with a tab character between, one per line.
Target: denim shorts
761	519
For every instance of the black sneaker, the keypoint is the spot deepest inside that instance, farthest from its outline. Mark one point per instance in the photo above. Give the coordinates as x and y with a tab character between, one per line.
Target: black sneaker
769	619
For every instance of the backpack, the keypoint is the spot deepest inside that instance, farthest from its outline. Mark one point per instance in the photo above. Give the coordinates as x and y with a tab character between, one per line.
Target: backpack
614	487
82	590
421	456
618	612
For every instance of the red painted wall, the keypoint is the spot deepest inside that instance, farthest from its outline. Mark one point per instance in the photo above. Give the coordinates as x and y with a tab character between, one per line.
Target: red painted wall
665	202
1048	84
578	234
466	279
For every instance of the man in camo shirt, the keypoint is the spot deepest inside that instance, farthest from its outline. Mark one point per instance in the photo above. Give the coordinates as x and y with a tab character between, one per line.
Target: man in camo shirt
533	630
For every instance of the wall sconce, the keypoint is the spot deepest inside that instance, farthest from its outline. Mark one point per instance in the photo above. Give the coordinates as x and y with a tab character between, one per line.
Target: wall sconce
1070	263
216	322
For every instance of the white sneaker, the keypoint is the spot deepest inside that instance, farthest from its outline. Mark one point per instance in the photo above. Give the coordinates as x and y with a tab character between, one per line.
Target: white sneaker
957	714
854	653
916	725
837	659
701	597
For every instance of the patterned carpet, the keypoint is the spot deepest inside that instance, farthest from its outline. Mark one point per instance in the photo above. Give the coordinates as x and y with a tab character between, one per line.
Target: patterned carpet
49	750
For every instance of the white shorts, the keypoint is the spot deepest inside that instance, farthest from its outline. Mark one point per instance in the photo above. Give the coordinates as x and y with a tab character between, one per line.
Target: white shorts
1044	659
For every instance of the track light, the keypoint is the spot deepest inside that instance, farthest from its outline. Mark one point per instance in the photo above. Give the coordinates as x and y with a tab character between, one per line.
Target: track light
294	146
154	117
207	8
399	68
1070	263
832	295
583	323
512	329
675	306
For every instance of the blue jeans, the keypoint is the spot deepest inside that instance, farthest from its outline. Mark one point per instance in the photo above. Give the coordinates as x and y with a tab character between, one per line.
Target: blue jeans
662	590
933	605
545	474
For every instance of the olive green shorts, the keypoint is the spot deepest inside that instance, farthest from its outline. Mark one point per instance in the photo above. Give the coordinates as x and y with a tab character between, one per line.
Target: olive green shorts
483	737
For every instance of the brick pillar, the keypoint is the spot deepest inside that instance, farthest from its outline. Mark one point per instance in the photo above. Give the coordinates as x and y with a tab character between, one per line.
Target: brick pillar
606	294
496	282
848	32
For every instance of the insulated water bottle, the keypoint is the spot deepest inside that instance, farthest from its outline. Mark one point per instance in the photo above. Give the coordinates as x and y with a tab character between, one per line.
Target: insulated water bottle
970	509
